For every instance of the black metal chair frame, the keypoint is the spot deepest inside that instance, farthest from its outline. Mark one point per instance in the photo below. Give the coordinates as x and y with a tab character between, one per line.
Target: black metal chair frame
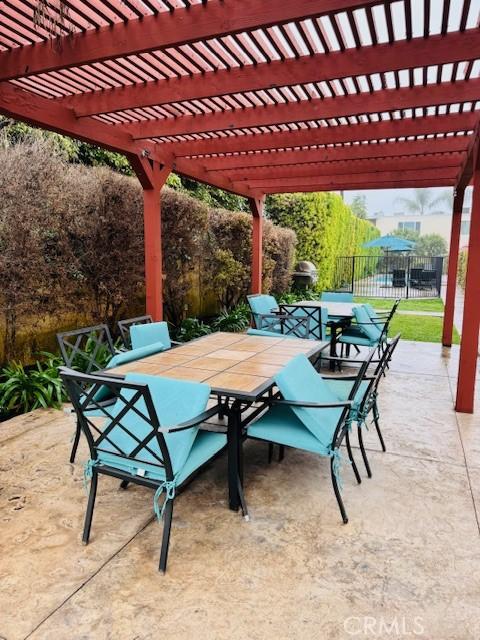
298	326
314	314
342	432
72	346
82	389
124	327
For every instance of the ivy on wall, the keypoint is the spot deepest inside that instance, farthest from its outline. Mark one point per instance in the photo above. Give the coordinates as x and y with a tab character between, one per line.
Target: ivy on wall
325	227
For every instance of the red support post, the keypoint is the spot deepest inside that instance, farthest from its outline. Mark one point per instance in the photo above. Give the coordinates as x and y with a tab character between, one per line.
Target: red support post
257	206
471	312
152	176
452	268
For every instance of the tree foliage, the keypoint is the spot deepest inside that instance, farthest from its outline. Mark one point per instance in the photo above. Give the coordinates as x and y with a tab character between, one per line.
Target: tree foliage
359	206
424	201
325	227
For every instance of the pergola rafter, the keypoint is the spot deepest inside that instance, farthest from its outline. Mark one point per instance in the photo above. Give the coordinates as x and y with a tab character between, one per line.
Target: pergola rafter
259	97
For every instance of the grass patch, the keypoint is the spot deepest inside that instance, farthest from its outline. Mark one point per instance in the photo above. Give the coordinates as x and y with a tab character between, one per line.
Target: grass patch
420	328
427	304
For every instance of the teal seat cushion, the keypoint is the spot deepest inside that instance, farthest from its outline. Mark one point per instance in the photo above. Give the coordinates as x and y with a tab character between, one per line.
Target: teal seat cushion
175	402
336	296
356	338
299	381
271	334
280	424
143	335
206	445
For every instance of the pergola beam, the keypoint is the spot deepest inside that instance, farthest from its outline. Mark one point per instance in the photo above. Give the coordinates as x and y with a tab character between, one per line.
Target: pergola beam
384	150
349	167
435	50
214	19
357	186
405	127
315	109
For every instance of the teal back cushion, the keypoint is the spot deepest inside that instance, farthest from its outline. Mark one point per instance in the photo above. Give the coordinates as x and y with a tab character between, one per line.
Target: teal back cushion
175	401
143	335
124	357
333	296
369	329
299	381
372	314
262	304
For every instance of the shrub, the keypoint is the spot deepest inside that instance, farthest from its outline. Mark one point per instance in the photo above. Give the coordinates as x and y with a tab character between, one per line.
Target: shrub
236	320
191	328
25	389
325	228
462	267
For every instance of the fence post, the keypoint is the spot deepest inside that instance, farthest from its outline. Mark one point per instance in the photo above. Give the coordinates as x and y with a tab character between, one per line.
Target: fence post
408	276
353	273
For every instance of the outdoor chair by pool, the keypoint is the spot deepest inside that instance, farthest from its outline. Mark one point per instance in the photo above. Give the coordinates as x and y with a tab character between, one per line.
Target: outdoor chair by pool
365	399
309	416
336	296
149	436
124	328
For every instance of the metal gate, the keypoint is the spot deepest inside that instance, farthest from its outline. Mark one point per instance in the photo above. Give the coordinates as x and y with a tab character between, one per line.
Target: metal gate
389	276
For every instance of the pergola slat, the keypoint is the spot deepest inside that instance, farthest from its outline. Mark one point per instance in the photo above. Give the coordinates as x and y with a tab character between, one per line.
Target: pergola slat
352	62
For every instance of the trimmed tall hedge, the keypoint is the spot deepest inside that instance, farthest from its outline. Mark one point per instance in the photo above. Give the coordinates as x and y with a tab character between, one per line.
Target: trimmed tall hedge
71	250
325	228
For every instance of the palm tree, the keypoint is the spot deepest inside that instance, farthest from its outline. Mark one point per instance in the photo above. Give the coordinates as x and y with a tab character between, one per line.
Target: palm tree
424	200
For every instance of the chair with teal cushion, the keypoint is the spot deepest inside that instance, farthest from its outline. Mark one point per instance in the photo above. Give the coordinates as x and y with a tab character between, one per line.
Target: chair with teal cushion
262	305
309	416
149	436
283	325
143	335
125	325
365	400
318	319
366	331
336	296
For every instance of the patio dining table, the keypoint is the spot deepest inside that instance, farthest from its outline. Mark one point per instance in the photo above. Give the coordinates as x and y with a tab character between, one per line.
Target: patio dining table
239	370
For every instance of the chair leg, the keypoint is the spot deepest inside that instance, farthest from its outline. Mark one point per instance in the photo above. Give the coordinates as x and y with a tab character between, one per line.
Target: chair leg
356	348
350	457
347	350
377	427
243	502
90	507
337	493
76	440
221	415
270	452
364	453
167	525
124	484
281	452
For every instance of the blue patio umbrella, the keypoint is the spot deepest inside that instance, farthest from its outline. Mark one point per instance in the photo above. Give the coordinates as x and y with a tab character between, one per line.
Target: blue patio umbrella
390	243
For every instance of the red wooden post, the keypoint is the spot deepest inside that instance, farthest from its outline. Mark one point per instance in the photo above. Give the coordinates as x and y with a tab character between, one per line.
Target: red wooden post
152	176
256	206
471	311
452	268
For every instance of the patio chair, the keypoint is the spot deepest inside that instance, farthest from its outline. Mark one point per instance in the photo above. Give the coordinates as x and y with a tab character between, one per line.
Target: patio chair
149	436
309	416
336	296
143	335
87	350
365	332
318	319
399	278
263	305
365	400
283	325
124	328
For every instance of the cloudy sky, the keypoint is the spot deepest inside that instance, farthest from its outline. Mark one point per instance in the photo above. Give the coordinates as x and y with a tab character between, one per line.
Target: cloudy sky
384	200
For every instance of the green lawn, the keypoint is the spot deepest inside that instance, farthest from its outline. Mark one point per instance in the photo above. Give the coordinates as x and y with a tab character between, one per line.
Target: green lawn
426	304
414	327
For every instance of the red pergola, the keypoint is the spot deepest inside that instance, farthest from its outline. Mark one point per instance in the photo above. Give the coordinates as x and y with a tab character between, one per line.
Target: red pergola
258	97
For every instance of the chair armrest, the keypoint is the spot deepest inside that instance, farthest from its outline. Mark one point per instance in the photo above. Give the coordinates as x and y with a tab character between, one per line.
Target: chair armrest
313	405
348	378
193	422
176	342
120	350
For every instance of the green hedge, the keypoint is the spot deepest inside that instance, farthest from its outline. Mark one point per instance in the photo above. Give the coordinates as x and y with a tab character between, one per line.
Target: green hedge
325	227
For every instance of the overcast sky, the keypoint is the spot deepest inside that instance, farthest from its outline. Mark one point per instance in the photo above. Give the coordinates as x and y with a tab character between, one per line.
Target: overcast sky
383	200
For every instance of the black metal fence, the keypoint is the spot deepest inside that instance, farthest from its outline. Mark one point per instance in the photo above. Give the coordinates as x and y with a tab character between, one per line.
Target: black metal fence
389	276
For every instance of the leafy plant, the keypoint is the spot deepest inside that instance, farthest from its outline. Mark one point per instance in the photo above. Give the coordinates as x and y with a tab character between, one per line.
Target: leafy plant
235	320
25	389
191	328
102	355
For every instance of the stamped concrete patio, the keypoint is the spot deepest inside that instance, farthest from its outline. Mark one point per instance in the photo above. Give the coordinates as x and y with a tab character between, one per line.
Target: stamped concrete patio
406	565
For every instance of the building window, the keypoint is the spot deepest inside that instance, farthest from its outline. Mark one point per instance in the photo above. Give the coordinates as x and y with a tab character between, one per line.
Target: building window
465	227
409	226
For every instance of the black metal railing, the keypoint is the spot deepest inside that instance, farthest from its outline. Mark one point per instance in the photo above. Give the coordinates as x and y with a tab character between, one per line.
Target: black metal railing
389	276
